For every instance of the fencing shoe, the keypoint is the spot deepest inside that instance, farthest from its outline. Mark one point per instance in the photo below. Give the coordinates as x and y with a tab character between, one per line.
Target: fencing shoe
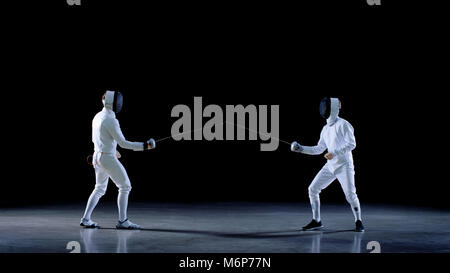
313	225
359	226
88	223
127	224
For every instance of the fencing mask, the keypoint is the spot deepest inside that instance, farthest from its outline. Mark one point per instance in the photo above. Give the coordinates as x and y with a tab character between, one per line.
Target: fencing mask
113	101
329	109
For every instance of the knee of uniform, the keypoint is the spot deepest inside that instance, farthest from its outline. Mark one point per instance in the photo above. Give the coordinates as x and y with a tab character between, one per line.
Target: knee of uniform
313	192
125	188
100	191
351	197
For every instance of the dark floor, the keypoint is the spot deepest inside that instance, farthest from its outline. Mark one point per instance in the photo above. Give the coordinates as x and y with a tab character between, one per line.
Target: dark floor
225	227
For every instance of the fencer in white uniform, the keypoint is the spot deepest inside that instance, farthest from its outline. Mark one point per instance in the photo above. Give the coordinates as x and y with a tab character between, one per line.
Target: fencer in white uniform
106	134
337	137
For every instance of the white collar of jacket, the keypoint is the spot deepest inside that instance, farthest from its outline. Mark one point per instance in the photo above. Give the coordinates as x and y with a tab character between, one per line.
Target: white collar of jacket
109	112
334	111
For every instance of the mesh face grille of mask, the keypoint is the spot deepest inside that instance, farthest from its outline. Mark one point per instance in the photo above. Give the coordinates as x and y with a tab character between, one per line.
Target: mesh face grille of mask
325	106
118	102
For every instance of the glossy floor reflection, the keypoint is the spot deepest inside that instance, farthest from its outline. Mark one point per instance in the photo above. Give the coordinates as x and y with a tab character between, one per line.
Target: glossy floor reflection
225	227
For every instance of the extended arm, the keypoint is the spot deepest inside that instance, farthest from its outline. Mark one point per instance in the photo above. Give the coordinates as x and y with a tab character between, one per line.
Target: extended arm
116	133
314	150
311	150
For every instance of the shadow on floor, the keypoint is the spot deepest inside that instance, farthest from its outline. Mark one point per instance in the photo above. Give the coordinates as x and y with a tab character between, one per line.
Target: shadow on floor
250	235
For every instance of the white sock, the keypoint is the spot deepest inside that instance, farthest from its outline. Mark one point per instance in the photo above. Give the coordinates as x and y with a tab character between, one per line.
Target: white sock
122	204
356	209
315	206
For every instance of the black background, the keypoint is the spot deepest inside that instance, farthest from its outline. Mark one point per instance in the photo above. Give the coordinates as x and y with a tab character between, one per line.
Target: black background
386	70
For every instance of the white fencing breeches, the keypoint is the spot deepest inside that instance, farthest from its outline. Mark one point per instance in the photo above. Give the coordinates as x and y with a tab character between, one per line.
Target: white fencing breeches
346	177
108	166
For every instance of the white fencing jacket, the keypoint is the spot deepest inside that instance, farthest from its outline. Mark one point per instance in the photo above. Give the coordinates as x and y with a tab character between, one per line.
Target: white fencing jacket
106	134
338	138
